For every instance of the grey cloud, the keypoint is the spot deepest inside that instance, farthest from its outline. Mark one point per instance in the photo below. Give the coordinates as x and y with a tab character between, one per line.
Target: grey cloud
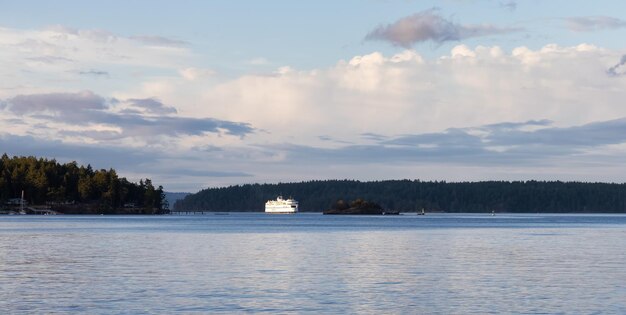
373	136
194	126
96	73
613	71
56	102
331	139
50	59
104	135
85	108
509	5
208	173
14	121
499	144
512	135
208	148
584	136
514	125
130	111
152	106
429	25
137	125
358	154
593	23
449	138
158	41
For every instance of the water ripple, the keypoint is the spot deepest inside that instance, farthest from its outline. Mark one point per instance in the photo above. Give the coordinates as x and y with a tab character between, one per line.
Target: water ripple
251	263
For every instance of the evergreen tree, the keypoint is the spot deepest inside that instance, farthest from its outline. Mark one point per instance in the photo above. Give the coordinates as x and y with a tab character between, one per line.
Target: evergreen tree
47	181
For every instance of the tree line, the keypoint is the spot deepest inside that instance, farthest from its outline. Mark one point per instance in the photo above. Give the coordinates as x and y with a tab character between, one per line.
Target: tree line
76	189
414	195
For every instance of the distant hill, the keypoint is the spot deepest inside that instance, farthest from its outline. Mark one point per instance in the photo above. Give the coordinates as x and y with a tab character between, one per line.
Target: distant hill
413	195
172	197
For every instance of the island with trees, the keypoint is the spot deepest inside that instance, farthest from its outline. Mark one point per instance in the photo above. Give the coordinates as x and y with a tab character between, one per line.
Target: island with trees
356	207
72	189
415	195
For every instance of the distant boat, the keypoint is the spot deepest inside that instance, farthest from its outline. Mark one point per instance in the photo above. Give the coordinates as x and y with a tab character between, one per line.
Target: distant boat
281	205
493	213
421	213
22	212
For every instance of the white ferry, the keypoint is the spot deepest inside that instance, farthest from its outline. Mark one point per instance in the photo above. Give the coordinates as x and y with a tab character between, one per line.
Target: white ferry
281	205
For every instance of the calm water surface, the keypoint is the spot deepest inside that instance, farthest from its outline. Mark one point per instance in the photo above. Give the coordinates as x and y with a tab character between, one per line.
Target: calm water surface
309	263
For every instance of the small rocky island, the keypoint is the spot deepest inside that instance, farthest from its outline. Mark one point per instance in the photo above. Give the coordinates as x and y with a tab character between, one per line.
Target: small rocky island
357	207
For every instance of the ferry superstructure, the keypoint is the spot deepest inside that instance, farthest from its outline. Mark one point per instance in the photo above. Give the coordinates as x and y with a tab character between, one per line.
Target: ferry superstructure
281	205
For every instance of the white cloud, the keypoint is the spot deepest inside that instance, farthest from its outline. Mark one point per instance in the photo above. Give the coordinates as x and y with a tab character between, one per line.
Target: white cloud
405	93
159	41
259	61
192	74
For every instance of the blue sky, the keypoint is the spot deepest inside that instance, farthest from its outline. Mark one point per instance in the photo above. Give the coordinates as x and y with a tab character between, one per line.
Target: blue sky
209	93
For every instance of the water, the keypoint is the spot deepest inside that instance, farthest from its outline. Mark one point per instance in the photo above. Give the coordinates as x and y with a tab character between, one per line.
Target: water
309	263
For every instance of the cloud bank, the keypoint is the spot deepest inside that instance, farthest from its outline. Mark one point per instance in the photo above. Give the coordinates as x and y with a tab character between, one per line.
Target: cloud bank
87	115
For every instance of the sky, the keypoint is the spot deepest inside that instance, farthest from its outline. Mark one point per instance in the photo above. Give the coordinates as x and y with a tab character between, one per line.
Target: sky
197	94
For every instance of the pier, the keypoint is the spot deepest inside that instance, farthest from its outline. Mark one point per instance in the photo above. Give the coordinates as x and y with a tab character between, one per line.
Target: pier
201	212
29	211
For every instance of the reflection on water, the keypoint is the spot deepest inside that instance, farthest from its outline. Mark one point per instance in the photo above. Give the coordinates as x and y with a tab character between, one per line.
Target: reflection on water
312	263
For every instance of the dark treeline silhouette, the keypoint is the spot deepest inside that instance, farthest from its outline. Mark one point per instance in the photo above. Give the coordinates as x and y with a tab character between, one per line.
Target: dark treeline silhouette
413	195
76	189
358	206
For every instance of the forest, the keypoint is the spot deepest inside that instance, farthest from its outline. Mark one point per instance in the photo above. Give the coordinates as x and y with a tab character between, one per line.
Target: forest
75	189
414	195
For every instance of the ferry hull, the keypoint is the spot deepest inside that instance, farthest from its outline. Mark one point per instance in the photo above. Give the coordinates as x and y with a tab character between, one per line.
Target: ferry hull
280	210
